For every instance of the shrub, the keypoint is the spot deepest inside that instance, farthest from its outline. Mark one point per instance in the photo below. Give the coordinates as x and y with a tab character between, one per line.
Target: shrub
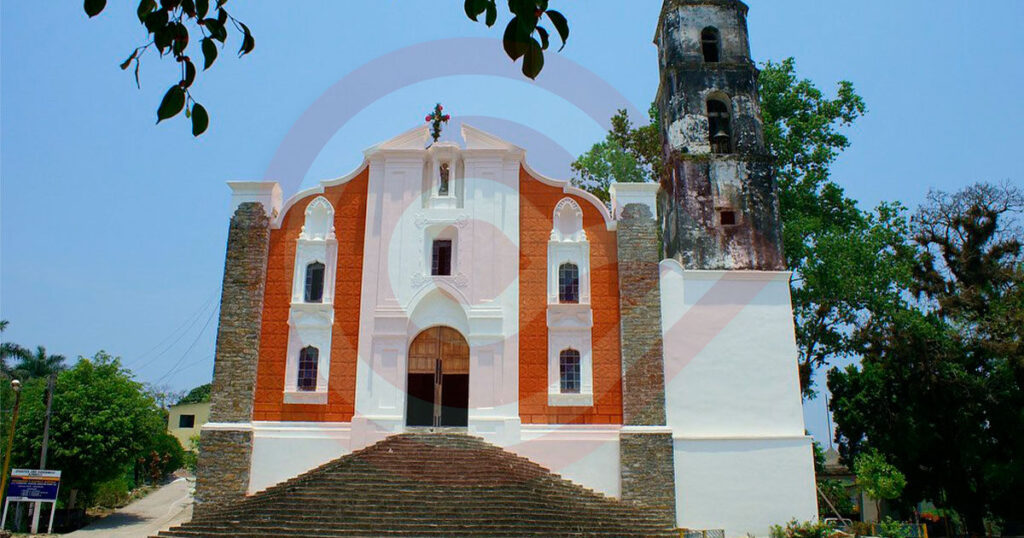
891	528
113	493
806	529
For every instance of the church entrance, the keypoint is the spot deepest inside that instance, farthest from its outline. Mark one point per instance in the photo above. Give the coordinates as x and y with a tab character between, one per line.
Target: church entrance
438	384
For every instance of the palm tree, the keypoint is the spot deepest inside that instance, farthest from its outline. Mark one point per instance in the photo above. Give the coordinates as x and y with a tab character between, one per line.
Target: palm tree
39	364
9	350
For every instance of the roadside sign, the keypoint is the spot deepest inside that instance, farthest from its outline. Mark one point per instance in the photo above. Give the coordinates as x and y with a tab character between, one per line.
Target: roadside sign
33	485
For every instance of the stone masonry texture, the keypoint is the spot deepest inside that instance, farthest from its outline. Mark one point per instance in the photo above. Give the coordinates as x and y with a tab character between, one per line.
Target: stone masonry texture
222	472
223	467
643	371
699	185
648	472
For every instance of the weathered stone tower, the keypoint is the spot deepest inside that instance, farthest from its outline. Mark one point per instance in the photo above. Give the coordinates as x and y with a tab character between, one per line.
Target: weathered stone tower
720	205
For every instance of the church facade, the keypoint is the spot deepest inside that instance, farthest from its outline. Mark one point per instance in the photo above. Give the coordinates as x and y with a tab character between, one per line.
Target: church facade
644	350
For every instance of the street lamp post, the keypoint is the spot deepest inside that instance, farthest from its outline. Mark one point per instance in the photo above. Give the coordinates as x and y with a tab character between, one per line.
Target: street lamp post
16	387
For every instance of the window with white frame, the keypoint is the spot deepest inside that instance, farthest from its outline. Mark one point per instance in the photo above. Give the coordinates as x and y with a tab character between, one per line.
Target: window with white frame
315	283
308	362
311	315
568	283
570	317
569	371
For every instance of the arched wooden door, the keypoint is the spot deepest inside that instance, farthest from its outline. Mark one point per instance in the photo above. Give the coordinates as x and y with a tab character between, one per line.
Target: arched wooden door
438	384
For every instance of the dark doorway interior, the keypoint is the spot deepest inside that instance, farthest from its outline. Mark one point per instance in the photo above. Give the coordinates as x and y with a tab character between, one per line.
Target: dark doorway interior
438	383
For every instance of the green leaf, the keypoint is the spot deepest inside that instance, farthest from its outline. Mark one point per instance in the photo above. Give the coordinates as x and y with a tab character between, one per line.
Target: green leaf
190	73
94	7
533	61
221	3
492	14
209	52
180	38
543	37
188	7
145	7
173	102
474	8
247	41
126	63
222	15
216	29
561	25
163	37
156	20
202	8
200	119
514	41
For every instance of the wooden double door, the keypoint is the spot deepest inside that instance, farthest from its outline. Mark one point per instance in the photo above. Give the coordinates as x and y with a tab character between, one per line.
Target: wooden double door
438	384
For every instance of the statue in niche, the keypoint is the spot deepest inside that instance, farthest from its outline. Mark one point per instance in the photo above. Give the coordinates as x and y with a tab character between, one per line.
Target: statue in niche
442	189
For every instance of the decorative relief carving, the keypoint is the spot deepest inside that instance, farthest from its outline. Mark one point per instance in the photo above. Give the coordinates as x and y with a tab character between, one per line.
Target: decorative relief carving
423	221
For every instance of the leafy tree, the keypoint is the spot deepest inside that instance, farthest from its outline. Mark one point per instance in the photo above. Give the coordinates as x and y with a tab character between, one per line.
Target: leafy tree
9	350
939	389
101	423
878	478
845	261
39	364
199	394
172	26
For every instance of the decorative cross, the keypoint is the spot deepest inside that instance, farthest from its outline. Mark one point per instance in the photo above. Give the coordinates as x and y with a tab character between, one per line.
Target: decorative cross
436	119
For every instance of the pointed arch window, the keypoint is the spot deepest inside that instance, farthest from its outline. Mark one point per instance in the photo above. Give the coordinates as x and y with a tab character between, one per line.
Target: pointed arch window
568	283
308	359
315	282
719	127
711	44
569	371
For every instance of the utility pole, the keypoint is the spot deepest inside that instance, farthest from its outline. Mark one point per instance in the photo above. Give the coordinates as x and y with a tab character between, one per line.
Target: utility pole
16	387
50	383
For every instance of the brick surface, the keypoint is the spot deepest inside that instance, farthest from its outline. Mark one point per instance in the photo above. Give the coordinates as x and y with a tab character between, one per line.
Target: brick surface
349	201
536	210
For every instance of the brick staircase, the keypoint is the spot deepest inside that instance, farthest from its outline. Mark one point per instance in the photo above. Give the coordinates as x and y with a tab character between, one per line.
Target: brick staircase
430	484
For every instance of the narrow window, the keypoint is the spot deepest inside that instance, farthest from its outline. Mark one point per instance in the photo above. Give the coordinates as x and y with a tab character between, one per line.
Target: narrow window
710	44
441	264
187	421
568	283
719	129
315	282
442	189
569	370
308	358
728	217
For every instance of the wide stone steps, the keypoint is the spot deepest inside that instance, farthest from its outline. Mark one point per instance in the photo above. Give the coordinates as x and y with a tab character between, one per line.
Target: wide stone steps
437	484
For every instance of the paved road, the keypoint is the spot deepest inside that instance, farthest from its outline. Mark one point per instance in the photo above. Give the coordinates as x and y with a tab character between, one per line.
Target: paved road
164	508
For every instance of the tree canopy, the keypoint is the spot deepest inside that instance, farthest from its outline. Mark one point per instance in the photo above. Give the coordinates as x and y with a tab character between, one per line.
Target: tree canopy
940	385
102	423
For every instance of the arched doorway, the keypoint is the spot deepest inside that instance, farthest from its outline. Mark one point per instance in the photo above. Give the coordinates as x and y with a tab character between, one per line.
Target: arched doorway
438	384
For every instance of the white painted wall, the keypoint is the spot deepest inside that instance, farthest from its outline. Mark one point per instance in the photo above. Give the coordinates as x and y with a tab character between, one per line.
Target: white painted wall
283	450
743	461
400	297
743	485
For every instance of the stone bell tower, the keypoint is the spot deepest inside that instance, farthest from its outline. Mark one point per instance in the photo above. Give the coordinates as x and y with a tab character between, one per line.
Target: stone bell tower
720	203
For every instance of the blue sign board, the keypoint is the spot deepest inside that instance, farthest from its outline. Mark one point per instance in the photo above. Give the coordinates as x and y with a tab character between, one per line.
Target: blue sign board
33	485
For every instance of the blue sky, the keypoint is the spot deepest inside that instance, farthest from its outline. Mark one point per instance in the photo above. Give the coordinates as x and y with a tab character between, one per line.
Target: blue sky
112	230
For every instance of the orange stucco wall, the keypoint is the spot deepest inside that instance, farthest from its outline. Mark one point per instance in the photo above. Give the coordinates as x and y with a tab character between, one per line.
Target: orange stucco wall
537	205
349	201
